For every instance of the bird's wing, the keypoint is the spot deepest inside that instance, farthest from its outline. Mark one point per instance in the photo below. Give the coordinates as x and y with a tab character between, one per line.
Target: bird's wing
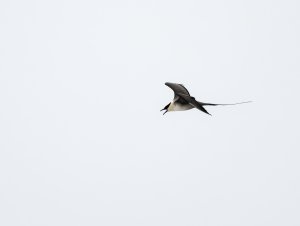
192	101
177	88
180	99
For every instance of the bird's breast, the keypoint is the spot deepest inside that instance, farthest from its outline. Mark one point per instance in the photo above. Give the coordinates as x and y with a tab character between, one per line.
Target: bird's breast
175	106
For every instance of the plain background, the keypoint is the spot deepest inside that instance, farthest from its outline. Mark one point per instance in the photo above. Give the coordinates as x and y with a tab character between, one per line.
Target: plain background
82	140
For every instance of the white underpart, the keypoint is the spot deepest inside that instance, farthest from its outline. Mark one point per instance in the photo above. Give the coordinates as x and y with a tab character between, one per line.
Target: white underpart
175	106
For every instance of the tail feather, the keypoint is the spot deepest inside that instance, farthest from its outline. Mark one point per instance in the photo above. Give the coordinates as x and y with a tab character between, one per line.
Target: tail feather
210	104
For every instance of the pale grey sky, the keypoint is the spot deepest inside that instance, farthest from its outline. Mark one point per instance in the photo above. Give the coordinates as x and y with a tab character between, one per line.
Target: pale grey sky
83	141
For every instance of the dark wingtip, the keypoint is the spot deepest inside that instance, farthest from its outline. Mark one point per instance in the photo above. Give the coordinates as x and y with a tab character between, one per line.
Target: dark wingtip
169	83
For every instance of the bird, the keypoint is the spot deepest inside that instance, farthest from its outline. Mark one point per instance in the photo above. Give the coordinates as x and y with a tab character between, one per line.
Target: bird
184	101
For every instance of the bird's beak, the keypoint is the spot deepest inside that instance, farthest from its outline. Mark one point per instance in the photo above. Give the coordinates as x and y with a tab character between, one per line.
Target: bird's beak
165	111
165	108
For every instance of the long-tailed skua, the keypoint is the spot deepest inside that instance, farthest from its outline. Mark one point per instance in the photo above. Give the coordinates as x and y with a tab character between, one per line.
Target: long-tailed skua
184	101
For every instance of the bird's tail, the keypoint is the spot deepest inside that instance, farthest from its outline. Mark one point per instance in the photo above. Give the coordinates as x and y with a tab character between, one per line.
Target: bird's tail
210	104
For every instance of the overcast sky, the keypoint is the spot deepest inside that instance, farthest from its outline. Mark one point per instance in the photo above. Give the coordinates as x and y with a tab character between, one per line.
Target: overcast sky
82	140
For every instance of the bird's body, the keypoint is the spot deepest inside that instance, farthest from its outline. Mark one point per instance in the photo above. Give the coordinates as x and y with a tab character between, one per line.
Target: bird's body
177	106
184	101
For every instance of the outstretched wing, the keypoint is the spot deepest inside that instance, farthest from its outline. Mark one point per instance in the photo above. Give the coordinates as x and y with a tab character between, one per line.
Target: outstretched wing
198	106
177	88
192	101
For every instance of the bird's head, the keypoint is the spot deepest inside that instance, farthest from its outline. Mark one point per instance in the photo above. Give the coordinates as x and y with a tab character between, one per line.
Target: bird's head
166	108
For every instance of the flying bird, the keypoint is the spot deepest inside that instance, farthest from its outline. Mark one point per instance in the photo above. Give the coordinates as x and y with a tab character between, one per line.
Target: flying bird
184	101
